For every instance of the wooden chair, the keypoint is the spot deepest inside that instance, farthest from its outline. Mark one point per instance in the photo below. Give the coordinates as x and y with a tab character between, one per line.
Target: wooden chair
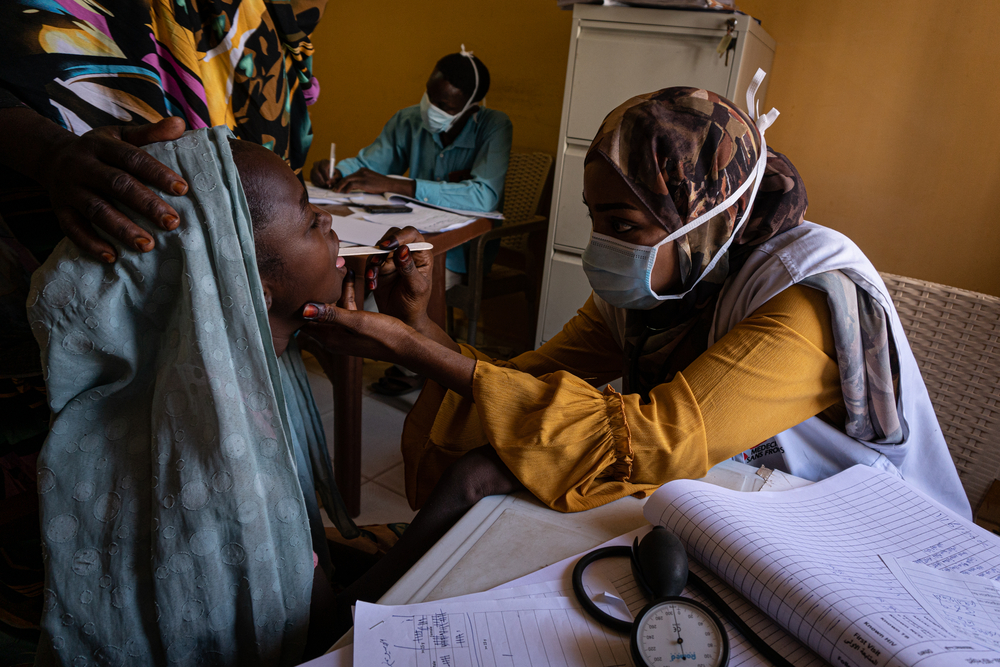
527	174
955	336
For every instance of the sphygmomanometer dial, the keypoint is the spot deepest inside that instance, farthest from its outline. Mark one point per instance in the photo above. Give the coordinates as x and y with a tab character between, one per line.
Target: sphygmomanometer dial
679	631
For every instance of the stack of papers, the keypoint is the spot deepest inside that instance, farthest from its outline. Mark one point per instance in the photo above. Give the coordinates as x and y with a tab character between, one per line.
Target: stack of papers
367	228
538	624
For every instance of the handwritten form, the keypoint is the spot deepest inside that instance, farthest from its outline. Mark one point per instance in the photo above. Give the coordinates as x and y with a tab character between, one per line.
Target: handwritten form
809	558
496	633
963	603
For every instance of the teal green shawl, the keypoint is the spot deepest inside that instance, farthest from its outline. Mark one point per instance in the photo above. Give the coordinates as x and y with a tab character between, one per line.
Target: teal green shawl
180	474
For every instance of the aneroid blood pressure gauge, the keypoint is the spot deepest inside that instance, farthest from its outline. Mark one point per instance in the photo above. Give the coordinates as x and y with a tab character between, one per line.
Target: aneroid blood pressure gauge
677	630
670	630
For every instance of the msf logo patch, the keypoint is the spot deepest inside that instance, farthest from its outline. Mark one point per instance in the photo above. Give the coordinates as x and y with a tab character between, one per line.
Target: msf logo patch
763	450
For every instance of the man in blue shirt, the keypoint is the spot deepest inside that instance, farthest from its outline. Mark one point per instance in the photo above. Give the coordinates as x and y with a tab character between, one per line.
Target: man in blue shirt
455	150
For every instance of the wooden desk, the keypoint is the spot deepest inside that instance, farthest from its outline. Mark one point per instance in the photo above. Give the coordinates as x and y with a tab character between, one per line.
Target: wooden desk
346	370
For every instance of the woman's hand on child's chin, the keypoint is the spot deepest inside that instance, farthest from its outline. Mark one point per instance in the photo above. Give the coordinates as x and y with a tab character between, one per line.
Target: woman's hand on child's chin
344	329
402	280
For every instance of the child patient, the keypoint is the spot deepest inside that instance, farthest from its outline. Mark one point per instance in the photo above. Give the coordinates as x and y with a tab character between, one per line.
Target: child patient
178	483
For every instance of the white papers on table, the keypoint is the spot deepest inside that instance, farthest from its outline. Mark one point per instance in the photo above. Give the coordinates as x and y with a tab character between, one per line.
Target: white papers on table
968	605
323	196
741	653
367	228
514	619
492	215
538	632
355	229
426	220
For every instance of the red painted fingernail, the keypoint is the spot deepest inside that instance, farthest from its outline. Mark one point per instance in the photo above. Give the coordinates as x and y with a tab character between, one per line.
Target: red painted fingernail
143	244
171	221
108	257
371	284
370	274
178	187
310	311
387	243
403	254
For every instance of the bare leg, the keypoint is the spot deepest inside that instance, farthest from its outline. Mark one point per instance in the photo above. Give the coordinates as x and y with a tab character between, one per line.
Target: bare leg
479	473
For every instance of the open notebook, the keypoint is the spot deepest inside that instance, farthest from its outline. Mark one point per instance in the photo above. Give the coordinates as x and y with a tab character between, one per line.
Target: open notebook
863	569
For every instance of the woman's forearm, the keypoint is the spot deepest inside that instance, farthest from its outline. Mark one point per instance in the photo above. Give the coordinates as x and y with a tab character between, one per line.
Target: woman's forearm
441	363
430	329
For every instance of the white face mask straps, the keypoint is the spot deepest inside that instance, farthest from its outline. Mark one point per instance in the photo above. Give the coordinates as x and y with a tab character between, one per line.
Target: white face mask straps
475	71
756	176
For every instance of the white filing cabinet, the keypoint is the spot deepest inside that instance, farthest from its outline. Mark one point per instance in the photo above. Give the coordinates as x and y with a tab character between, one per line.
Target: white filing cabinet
614	54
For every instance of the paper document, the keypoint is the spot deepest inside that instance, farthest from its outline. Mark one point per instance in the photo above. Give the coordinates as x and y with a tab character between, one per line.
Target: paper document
539	632
427	220
809	558
492	215
353	229
323	196
619	572
963	603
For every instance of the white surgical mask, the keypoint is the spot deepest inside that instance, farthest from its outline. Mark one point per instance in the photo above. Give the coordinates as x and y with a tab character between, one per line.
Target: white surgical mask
436	120
621	273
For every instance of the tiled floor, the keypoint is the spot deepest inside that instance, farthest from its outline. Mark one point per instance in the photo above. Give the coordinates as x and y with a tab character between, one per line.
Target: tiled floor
382	493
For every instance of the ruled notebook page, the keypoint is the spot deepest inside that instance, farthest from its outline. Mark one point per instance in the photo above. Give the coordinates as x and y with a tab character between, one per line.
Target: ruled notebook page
809	559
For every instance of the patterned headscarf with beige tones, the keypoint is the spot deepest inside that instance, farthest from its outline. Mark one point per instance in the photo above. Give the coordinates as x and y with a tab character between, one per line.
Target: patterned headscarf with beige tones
684	151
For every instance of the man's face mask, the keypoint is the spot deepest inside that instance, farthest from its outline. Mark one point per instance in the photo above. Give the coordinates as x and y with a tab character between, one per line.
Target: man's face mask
436	120
620	272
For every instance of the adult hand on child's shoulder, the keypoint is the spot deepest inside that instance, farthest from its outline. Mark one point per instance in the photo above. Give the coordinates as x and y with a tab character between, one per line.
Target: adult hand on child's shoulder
86	174
320	175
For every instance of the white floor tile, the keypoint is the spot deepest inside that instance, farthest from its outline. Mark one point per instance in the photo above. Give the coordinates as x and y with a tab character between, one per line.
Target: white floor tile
393	479
380	505
381	429
383	501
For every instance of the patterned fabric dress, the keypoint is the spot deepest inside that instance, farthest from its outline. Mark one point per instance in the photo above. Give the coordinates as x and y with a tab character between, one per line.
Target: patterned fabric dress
86	64
90	63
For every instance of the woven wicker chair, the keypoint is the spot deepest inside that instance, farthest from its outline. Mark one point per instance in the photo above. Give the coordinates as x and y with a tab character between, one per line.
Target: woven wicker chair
527	174
955	336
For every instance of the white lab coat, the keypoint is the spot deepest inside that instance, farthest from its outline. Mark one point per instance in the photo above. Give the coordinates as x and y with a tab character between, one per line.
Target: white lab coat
814	450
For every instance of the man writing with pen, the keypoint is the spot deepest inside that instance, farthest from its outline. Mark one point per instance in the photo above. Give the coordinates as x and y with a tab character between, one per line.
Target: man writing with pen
454	149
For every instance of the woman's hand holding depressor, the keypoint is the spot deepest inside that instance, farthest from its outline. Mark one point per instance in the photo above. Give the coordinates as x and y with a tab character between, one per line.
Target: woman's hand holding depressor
344	329
401	280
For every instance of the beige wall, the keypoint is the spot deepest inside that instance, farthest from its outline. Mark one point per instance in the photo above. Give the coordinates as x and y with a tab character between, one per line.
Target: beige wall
889	110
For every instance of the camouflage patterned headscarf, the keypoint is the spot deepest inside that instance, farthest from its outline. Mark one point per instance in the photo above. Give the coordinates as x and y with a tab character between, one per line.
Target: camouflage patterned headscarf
683	151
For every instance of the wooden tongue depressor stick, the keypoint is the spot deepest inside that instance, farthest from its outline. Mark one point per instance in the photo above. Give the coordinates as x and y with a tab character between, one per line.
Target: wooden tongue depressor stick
352	250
